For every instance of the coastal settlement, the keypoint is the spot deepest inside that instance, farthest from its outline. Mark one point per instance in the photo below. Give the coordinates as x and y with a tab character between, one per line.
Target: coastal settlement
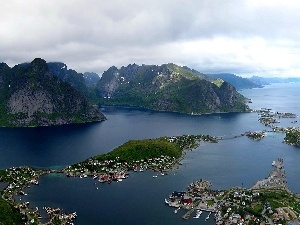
19	178
160	155
268	201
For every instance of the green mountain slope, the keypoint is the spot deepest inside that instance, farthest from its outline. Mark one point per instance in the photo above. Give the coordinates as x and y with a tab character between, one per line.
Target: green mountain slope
32	96
167	88
237	81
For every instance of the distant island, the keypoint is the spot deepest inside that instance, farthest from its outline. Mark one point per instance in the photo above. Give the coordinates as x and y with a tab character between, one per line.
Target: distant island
32	95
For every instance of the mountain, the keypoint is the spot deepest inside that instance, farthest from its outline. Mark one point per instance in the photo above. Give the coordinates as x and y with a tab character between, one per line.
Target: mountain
167	88
259	80
237	81
269	80
91	79
77	80
31	95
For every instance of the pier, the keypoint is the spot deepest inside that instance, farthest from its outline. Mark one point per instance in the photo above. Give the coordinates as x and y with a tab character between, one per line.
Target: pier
276	178
188	214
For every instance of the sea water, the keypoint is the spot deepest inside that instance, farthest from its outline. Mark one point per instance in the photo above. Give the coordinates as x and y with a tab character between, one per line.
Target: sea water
140	198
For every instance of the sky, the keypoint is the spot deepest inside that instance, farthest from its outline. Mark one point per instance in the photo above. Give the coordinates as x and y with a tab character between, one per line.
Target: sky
243	37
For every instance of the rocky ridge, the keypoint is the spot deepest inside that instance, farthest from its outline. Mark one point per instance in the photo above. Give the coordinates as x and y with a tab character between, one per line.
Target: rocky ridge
168	88
31	95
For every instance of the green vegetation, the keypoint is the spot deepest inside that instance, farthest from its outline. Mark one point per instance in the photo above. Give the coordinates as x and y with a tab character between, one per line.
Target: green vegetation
218	82
56	101
292	137
9	215
143	149
187	73
168	88
280	198
159	154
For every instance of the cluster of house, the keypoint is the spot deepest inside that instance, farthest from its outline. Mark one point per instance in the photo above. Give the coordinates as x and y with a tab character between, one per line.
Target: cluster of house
256	135
268	118
191	141
116	170
240	205
18	178
57	214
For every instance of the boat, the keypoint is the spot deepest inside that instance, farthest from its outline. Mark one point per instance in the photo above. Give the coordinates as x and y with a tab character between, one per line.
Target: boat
154	176
166	201
176	210
198	214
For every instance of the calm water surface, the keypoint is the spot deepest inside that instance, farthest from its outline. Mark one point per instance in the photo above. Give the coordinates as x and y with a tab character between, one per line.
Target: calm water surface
140	199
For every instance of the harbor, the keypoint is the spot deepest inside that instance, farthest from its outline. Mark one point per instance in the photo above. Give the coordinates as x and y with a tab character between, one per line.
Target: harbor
239	205
19	178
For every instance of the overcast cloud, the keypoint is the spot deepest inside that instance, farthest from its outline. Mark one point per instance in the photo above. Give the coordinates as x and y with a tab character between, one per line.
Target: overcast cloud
212	36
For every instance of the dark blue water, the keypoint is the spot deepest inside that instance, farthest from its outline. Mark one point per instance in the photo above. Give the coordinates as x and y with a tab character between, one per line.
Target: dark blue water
140	199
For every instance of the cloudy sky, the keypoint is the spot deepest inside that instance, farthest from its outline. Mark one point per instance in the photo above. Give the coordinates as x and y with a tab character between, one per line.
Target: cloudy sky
243	37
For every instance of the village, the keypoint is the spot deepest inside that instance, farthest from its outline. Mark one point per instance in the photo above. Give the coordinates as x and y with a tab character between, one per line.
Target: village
19	178
233	206
268	201
116	169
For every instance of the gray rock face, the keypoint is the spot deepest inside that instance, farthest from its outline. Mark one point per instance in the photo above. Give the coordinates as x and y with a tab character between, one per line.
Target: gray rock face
32	96
26	102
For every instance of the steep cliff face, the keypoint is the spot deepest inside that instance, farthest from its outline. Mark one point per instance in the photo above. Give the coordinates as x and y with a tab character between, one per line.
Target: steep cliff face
169	88
32	96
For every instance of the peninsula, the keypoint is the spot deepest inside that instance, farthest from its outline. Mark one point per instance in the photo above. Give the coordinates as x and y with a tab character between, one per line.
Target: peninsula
268	201
160	154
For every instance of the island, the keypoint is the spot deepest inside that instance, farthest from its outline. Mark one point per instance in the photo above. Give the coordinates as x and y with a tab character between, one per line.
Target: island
293	136
268	201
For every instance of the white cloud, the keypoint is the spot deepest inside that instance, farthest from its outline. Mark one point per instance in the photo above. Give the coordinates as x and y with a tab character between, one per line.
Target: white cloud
242	37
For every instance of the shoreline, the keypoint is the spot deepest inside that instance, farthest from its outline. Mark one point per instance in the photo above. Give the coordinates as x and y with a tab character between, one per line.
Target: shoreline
227	205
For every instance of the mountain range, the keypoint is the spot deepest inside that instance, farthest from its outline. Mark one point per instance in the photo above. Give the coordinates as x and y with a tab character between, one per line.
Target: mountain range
42	94
237	81
168	88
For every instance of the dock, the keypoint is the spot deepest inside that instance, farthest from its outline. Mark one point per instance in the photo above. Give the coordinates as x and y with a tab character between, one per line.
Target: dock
188	214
